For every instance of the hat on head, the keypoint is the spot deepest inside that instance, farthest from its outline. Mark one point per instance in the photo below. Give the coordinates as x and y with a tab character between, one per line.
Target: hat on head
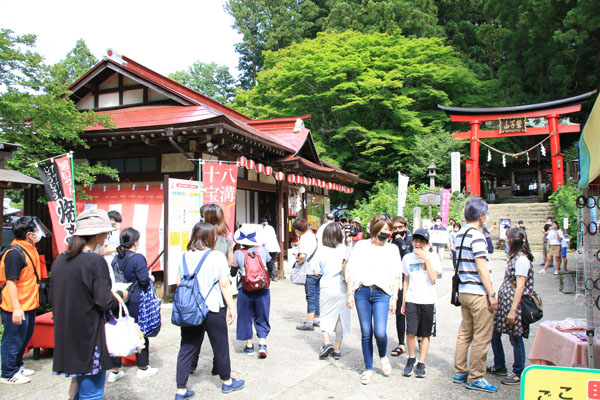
423	233
247	235
93	222
262	220
356	219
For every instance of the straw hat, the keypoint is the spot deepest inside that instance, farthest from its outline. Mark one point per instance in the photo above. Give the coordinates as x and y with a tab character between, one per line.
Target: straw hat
248	235
93	222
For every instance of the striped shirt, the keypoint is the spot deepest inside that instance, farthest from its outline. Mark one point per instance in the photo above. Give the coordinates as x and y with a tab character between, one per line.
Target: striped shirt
474	246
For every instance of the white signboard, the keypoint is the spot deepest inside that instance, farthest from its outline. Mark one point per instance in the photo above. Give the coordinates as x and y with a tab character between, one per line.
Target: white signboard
185	199
455	172
402	191
439	237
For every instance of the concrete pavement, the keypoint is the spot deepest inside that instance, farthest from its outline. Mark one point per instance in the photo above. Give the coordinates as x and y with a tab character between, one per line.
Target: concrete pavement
293	370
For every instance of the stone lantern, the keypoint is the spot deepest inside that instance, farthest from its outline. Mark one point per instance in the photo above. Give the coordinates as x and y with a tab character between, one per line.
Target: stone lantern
432	168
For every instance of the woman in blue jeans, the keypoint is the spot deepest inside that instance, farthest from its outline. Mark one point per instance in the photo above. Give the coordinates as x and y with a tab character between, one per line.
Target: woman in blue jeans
374	275
518	282
307	247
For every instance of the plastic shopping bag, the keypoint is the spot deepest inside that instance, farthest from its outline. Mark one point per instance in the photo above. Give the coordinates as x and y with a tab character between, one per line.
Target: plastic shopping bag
123	335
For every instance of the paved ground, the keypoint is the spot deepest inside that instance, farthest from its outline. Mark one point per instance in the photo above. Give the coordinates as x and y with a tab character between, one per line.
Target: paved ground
293	370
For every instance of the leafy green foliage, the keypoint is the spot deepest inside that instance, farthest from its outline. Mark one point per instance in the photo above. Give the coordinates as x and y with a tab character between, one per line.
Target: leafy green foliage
564	203
35	113
370	96
210	79
77	62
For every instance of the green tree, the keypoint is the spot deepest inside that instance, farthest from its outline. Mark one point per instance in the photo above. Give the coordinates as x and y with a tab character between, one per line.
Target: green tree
370	95
35	113
77	62
210	79
564	204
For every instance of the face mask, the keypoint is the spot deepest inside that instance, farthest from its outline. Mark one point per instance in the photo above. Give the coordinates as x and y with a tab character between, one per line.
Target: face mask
101	247
382	237
36	237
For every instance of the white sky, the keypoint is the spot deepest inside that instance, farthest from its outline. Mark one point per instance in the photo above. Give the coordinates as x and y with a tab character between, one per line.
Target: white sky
165	36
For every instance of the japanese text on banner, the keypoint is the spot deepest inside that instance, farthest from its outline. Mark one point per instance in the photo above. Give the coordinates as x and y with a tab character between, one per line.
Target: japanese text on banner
219	186
445	206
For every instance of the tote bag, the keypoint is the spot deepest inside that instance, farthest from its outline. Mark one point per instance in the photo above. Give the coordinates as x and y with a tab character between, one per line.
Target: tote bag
149	318
123	335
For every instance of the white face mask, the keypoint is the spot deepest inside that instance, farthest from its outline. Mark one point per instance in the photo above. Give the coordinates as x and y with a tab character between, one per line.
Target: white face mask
101	247
36	237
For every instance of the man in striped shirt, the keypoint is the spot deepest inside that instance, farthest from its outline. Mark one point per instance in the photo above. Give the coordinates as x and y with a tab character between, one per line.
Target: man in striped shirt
477	298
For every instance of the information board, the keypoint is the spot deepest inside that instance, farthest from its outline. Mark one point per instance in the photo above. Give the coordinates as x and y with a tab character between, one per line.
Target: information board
548	382
185	199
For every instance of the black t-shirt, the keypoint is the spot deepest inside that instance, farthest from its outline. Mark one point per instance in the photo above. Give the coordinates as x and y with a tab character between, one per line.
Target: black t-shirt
13	264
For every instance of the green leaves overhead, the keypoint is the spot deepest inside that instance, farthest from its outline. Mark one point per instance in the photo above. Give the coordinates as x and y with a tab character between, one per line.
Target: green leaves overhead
370	95
210	79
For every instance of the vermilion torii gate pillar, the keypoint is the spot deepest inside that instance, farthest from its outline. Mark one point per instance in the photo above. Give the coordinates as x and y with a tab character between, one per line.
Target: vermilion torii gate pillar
513	123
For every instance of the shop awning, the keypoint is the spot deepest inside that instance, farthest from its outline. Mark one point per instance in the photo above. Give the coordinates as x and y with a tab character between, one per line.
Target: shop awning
589	144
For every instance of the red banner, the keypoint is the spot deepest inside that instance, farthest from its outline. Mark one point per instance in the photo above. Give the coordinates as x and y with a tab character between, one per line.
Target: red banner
57	176
219	186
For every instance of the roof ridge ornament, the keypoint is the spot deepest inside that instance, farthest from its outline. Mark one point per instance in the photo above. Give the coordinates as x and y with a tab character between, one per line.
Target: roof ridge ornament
115	56
299	125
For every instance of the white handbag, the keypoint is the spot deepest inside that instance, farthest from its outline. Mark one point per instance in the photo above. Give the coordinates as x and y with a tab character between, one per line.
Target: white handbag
123	335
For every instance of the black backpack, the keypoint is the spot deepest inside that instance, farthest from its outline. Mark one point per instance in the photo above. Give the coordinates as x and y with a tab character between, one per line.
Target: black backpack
43	290
120	271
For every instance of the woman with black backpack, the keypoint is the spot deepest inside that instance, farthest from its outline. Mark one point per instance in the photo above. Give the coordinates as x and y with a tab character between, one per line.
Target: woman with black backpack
131	267
254	296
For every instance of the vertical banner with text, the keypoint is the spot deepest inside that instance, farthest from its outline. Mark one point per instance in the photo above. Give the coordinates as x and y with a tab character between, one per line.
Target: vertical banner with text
455	171
219	184
59	186
402	192
445	205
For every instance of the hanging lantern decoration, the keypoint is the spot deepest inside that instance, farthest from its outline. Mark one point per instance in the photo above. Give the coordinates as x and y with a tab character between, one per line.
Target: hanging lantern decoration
268	170
260	167
304	180
323	184
291	178
489	155
542	149
278	175
504	160
351	190
309	181
250	164
241	161
329	185
527	158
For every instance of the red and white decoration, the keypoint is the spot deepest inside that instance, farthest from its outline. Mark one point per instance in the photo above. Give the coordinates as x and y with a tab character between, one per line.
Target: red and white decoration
260	167
241	161
291	178
250	164
279	175
268	170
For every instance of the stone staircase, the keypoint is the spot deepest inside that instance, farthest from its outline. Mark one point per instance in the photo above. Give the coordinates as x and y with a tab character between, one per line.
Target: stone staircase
533	215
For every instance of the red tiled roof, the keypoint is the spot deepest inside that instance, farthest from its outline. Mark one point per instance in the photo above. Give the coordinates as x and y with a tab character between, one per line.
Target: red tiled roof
281	130
136	117
309	164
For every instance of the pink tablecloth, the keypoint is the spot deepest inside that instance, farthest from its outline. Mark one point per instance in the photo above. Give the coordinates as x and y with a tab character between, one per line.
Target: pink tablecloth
553	347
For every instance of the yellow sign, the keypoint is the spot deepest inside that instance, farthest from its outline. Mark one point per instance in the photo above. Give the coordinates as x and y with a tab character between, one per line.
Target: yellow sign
540	382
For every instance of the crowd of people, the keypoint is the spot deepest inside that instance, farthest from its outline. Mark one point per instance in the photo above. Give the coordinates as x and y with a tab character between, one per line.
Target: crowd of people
392	272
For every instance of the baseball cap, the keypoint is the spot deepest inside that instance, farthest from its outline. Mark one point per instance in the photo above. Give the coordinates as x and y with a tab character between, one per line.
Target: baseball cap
422	233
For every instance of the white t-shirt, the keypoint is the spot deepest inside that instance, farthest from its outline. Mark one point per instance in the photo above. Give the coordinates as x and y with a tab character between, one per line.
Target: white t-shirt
214	268
370	264
553	237
329	261
522	265
321	230
307	245
270	239
420	289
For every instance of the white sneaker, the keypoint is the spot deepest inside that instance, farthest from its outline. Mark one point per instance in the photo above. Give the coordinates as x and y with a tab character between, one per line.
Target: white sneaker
144	373
542	271
555	272
16	379
26	371
112	377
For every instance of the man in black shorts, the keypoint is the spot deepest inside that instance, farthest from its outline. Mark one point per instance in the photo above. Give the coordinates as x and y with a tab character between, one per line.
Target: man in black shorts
420	269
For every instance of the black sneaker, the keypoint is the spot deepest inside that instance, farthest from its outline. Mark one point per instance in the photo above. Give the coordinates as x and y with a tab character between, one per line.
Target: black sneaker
325	351
512	379
337	354
410	365
490	369
420	370
316	323
305	327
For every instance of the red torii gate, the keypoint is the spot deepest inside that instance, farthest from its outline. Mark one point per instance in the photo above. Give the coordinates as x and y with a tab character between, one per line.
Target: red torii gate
512	123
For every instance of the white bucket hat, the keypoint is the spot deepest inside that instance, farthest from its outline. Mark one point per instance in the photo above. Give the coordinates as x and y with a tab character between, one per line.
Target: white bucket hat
93	222
248	235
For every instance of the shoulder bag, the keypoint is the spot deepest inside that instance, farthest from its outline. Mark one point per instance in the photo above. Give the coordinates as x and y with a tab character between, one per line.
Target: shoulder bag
454	299
298	273
532	307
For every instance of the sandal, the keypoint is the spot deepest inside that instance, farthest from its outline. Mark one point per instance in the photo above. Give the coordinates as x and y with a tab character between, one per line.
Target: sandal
365	377
398	351
386	366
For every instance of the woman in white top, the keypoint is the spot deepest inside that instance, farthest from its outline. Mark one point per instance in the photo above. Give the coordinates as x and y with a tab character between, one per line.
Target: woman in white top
335	315
554	238
374	276
214	273
307	247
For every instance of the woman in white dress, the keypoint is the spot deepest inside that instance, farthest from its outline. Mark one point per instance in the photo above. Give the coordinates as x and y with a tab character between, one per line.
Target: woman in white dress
335	314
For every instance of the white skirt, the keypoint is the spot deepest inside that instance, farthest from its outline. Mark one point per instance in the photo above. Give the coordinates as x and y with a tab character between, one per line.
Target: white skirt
333	306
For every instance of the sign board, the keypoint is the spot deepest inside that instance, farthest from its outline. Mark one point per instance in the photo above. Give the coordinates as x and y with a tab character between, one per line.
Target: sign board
185	199
512	124
547	383
504	222
455	171
429	199
438	236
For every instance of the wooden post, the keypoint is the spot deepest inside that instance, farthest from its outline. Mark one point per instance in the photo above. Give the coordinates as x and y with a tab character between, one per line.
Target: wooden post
472	163
557	157
281	224
166	239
